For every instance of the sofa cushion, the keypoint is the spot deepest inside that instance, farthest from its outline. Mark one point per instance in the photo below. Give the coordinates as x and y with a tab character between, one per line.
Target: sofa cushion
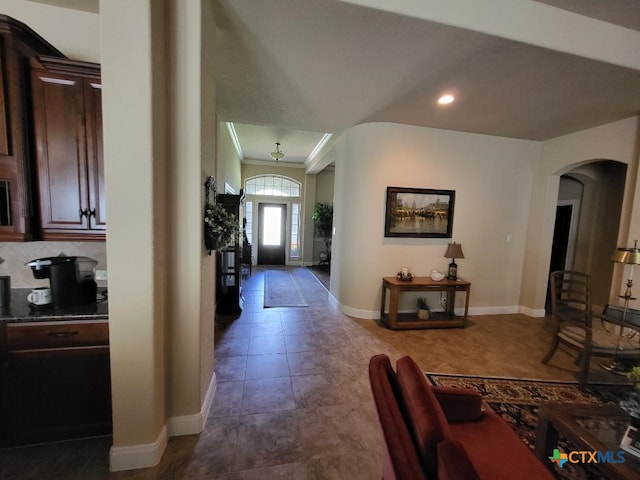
453	462
496	451
427	422
459	404
400	459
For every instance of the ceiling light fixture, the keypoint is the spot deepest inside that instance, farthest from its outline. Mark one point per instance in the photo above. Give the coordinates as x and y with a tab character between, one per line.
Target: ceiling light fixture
446	99
277	154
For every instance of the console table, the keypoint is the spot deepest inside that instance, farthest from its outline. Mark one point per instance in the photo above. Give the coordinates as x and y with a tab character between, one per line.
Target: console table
445	319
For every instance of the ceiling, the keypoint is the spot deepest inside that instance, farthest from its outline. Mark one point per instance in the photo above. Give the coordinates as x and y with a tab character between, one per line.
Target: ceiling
290	71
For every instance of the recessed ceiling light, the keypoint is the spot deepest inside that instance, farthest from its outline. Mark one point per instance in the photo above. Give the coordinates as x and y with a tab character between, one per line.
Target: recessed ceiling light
446	99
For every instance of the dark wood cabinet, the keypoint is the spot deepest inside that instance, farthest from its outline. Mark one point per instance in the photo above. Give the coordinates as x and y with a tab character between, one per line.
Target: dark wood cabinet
229	264
55	381
18	43
67	117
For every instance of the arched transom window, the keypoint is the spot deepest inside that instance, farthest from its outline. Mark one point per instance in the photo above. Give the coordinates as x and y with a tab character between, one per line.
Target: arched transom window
272	185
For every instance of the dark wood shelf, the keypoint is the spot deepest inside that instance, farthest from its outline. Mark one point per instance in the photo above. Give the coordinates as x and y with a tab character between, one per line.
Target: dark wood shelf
229	264
436	320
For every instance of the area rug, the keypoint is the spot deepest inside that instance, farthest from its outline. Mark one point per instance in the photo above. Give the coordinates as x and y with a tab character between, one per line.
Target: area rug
517	401
282	290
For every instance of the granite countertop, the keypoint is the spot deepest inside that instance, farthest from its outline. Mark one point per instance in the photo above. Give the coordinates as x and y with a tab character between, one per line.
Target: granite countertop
20	311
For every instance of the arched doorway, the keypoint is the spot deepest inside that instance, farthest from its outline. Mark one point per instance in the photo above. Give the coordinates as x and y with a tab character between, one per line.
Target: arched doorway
587	222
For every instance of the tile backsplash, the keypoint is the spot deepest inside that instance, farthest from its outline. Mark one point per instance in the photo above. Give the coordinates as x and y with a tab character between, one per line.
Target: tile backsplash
16	254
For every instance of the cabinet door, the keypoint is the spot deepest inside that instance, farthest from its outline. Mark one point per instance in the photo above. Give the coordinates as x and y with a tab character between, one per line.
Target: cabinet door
58	106
95	160
4	124
57	394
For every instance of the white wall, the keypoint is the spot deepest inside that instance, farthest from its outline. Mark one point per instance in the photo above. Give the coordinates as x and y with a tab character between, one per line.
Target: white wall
228	163
492	178
615	141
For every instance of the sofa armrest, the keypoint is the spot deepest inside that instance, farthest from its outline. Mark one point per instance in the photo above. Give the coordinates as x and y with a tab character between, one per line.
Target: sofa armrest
453	462
459	404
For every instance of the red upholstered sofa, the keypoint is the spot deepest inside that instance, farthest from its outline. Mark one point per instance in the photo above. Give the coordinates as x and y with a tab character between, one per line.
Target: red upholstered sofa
438	432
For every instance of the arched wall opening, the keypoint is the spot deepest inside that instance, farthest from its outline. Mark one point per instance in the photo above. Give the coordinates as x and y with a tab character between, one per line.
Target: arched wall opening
594	190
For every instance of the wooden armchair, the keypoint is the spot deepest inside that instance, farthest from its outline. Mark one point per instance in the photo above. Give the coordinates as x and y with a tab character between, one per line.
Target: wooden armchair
574	326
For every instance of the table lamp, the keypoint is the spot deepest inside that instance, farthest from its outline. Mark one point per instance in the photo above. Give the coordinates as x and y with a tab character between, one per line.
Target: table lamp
454	250
626	256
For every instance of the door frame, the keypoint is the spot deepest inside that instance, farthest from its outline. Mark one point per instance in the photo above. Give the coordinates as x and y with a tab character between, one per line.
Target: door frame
288	201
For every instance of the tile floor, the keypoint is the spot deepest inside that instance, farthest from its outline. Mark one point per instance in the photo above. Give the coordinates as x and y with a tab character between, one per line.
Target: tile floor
293	398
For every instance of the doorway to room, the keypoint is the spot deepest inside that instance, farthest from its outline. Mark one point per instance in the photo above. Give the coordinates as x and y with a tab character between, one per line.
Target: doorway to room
588	212
564	237
272	230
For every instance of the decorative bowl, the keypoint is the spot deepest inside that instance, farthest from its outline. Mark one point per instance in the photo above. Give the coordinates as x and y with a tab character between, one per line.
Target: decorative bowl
437	276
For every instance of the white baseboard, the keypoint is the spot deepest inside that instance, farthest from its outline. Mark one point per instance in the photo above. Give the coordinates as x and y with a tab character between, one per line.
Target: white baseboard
533	312
504	310
148	455
193	424
334	301
358	313
138	456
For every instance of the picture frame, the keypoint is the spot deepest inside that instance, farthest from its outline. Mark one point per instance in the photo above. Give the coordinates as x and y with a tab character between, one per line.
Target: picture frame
419	213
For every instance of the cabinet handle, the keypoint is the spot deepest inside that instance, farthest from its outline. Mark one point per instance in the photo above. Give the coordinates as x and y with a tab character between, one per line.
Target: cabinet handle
92	213
84	212
64	334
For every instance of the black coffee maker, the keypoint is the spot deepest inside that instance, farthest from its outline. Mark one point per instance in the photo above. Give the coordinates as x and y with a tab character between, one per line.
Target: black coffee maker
72	279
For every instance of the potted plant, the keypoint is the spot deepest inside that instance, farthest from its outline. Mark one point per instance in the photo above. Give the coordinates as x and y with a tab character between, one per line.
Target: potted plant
220	227
323	218
423	309
634	376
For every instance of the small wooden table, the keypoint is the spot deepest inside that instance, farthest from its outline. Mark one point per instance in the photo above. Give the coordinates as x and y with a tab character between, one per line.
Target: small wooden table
589	427
445	319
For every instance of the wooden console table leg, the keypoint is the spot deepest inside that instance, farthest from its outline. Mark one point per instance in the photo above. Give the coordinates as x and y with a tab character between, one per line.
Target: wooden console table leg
394	293
383	301
467	293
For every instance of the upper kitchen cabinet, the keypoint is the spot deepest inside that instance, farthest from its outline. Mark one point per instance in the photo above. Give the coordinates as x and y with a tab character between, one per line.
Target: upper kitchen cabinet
18	43
67	118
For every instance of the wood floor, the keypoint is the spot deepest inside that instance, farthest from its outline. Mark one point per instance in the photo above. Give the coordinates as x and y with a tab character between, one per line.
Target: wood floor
293	400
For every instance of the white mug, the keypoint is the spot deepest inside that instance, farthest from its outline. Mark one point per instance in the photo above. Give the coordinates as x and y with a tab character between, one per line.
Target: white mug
40	296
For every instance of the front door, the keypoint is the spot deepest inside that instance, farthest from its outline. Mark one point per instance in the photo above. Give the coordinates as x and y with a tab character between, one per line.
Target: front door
272	223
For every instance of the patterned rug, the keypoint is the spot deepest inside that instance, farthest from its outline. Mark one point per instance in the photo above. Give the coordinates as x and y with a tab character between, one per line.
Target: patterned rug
517	401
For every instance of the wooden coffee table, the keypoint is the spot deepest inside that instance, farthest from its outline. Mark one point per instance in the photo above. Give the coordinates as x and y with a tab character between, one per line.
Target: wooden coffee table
588	427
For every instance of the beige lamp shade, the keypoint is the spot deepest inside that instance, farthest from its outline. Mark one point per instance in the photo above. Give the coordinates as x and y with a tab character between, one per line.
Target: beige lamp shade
454	250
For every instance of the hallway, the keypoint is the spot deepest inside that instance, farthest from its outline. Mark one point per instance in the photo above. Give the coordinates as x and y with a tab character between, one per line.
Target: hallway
293	397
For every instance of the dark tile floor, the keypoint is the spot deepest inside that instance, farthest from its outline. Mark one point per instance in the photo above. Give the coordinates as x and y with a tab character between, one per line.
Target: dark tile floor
293	398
